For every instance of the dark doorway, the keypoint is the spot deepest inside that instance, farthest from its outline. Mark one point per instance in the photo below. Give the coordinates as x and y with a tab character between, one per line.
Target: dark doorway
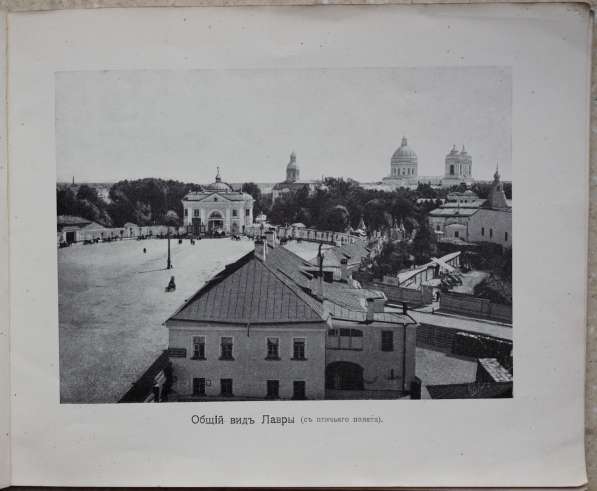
196	227
343	375
298	390
198	386
273	389
71	237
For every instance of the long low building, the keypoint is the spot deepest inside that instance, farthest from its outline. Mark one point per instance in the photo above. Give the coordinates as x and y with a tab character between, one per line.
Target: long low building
73	229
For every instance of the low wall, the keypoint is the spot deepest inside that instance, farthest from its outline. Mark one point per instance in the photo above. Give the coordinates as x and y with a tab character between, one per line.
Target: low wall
397	294
308	234
459	303
144	386
463	343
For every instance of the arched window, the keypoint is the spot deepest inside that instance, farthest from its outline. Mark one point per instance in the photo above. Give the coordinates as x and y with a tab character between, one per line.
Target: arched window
452	169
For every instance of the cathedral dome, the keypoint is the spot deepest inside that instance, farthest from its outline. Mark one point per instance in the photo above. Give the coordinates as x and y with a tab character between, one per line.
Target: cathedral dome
404	154
218	185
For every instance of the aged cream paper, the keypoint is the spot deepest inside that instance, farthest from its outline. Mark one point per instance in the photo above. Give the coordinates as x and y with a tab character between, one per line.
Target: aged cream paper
4	261
543	422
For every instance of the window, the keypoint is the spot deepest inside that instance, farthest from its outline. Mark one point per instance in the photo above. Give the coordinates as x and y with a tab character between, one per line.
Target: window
298	349
226	387
387	340
437	227
198	386
491	233
456	233
273	349
483	231
506	236
198	348
247	212
234	213
299	390
273	389
226	348
186	212
349	339
196	213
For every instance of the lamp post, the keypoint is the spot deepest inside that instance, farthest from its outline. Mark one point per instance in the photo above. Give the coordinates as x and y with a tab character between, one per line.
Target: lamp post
171	220
169	261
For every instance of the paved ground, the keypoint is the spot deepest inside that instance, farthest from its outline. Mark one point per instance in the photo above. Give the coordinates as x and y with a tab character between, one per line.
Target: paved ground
112	305
306	250
435	367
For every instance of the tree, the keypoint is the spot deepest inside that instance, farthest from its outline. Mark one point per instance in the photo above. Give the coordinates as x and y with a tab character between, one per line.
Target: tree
424	190
254	190
338	219
424	245
88	193
171	219
394	257
375	215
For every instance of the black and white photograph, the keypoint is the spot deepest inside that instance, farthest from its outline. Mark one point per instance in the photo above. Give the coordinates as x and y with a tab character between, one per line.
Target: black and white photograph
284	234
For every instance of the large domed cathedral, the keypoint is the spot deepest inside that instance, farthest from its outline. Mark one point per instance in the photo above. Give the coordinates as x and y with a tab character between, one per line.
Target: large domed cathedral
403	166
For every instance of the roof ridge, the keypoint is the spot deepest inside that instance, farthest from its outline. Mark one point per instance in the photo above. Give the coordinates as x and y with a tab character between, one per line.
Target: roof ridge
295	288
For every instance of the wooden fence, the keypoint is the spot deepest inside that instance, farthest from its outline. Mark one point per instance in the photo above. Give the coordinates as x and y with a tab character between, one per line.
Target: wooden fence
459	303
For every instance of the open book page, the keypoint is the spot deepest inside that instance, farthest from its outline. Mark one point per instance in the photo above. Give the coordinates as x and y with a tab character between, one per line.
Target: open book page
4	278
328	245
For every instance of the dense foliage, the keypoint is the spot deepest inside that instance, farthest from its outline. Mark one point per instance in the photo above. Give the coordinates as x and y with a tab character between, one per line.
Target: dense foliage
85	203
142	201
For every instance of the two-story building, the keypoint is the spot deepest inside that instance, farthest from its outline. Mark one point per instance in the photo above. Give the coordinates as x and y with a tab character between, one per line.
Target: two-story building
249	333
269	326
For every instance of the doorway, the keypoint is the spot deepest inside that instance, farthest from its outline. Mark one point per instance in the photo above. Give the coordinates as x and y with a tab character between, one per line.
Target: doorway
344	375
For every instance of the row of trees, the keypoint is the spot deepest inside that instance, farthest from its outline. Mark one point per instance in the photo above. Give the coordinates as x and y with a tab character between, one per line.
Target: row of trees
343	203
143	201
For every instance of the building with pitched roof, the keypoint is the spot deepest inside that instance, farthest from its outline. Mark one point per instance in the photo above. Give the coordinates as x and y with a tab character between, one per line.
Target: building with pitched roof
466	218
271	326
218	208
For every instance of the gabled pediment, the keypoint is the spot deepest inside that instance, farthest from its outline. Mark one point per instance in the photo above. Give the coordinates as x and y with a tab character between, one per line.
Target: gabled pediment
206	197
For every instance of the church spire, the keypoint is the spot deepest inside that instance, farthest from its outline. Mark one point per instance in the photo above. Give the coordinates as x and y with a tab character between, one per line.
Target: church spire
497	196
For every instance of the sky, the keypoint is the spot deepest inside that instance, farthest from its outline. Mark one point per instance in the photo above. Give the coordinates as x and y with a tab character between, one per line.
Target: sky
113	125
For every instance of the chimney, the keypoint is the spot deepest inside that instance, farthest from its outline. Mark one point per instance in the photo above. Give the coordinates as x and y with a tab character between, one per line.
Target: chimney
270	237
370	310
404	308
344	270
260	249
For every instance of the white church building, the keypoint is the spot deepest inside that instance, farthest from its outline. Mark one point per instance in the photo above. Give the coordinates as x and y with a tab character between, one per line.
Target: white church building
217	209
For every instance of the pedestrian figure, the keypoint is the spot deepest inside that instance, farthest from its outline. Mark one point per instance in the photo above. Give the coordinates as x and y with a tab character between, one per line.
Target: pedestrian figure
144	250
171	285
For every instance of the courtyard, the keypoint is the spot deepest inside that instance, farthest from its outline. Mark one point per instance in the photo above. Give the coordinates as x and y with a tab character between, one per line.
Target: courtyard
112	303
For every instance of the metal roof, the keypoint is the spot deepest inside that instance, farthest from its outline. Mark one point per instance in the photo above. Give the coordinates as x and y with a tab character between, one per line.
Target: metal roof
249	291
